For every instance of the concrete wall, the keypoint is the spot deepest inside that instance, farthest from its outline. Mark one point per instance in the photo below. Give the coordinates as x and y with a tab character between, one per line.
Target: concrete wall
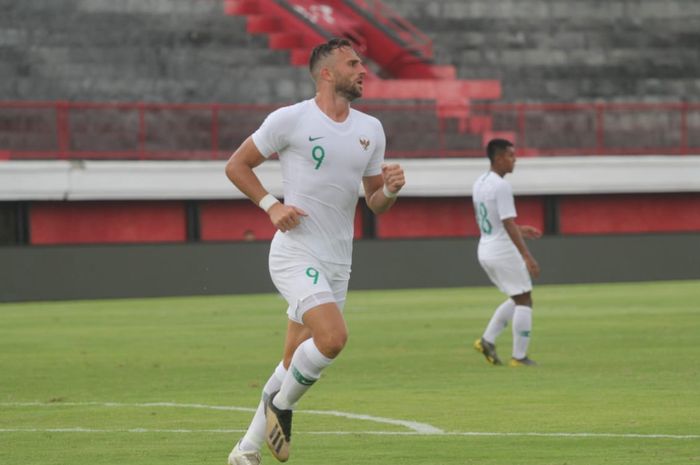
83	272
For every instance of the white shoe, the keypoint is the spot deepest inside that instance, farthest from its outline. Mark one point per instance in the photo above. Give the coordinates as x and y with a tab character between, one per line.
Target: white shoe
278	429
239	457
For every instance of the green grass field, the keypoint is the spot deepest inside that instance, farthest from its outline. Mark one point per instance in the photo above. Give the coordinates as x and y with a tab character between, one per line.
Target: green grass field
618	381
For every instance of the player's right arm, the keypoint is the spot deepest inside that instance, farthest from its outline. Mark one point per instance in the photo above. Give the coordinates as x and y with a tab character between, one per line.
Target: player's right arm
239	169
516	236
530	232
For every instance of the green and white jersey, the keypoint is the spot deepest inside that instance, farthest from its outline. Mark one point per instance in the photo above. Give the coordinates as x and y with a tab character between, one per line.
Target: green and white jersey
493	203
323	163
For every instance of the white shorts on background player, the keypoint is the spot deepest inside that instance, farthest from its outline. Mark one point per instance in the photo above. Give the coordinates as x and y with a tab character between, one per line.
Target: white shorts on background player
509	273
304	281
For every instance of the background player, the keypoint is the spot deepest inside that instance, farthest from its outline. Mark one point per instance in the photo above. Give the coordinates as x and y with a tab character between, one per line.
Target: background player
504	255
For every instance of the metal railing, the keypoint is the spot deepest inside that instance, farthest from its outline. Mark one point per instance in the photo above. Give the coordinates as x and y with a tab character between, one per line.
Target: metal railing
147	131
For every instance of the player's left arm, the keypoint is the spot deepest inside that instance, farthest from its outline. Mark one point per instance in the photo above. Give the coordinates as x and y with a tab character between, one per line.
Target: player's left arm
513	231
390	182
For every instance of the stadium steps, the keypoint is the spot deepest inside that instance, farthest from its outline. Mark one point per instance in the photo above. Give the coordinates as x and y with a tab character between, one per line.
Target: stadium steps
628	50
155	51
402	67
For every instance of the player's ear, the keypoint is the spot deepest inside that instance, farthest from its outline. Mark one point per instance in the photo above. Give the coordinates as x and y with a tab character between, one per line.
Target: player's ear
325	73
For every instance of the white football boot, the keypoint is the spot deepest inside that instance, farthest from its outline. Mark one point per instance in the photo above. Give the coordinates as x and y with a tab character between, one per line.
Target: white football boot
239	457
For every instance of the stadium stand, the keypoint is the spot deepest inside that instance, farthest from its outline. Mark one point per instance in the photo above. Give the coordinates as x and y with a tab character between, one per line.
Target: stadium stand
567	51
155	51
190	51
183	80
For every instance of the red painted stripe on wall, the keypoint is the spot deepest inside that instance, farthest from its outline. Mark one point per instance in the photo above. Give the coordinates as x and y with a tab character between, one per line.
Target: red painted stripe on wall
530	211
446	217
637	213
239	220
233	220
106	222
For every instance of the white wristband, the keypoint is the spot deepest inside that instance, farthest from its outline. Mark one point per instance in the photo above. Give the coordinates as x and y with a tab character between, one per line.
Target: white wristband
267	202
388	194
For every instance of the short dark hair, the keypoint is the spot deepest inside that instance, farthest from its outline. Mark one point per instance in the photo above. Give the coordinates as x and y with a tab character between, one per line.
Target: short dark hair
323	50
497	146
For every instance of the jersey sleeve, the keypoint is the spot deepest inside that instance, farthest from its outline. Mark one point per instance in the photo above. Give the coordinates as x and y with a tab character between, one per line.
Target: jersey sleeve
273	135
374	167
505	201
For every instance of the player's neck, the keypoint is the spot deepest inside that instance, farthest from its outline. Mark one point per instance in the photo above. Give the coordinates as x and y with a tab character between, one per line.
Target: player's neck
334	106
501	173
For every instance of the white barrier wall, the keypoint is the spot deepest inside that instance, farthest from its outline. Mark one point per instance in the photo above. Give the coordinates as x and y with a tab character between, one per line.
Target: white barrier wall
148	180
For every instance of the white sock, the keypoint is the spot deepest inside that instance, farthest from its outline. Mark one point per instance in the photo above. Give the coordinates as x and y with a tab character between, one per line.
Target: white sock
306	367
255	435
499	321
522	325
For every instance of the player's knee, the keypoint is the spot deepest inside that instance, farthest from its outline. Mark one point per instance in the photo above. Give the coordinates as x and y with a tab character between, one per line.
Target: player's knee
523	299
332	343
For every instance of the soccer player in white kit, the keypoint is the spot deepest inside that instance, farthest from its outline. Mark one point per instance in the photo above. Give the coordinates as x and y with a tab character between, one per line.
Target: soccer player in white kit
326	150
504	255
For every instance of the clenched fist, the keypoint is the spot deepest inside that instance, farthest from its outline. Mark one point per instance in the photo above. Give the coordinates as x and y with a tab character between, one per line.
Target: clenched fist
393	177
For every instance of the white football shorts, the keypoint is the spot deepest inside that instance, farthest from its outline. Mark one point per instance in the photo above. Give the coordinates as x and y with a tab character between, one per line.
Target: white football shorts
509	274
306	282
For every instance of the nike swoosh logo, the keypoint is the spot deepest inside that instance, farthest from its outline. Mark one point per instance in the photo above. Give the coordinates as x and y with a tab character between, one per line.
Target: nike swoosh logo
311	139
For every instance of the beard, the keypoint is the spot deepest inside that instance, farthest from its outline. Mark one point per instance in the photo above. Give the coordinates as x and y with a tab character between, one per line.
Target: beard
348	90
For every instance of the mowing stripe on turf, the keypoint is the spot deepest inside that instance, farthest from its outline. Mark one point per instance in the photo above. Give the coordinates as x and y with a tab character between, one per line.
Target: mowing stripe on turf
417	429
347	433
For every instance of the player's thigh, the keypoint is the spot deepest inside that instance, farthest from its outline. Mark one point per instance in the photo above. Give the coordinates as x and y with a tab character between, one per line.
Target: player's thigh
339	276
301	280
509	274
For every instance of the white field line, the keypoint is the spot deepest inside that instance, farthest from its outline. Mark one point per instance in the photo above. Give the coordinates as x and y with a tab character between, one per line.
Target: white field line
417	429
422	428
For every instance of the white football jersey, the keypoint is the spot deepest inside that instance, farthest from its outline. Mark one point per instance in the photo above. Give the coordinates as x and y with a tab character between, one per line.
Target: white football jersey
323	163
493	203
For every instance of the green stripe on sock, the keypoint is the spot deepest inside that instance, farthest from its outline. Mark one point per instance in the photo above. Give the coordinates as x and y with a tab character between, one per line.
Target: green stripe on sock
524	333
301	379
